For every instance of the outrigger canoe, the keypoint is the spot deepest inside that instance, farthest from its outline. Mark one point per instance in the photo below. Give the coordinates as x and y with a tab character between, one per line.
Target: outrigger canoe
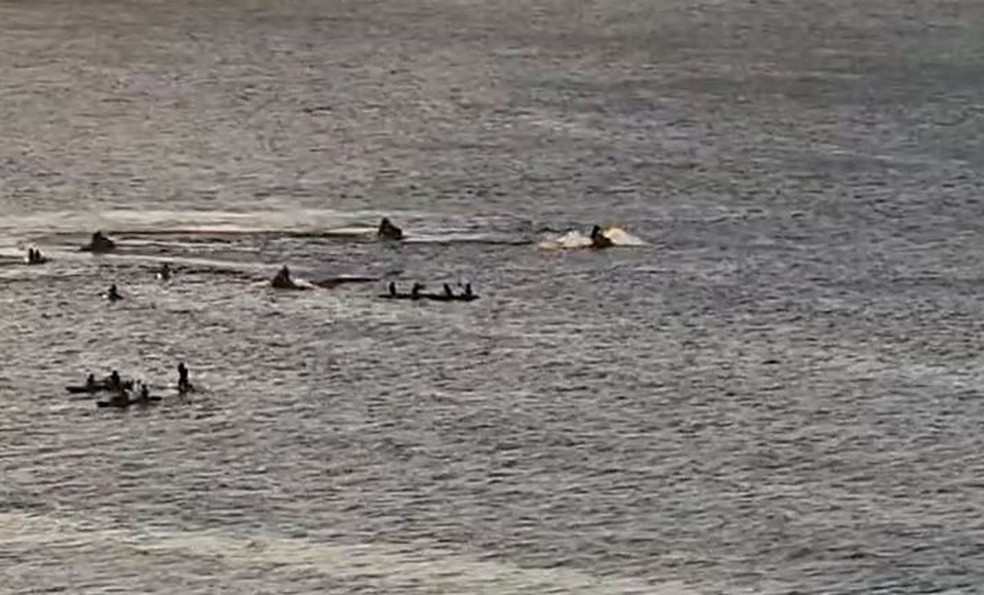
121	404
436	297
97	387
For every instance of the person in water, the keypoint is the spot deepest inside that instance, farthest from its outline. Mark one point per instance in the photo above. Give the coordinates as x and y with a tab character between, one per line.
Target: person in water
599	239
164	274
392	289
183	384
99	243
282	280
389	231
113	294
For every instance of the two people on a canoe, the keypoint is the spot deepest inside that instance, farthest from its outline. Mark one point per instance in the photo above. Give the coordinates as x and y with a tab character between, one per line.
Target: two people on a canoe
34	256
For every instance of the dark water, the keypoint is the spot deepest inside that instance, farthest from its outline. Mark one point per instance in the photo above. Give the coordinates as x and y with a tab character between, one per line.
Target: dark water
779	392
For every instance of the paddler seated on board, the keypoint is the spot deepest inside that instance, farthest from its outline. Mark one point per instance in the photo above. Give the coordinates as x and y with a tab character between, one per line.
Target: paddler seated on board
447	291
282	279
415	291
599	239
113	294
389	231
164	274
99	243
114	381
392	289
90	382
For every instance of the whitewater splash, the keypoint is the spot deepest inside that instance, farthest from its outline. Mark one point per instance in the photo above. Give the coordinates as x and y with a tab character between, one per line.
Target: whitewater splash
575	239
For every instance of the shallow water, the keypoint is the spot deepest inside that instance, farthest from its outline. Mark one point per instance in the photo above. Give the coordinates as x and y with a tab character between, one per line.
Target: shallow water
774	391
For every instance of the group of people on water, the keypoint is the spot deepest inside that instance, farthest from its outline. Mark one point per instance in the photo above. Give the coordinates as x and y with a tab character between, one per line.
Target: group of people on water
120	389
99	243
417	288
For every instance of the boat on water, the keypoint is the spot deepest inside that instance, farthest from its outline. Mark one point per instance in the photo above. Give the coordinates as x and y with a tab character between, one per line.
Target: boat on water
100	386
416	293
123	401
435	297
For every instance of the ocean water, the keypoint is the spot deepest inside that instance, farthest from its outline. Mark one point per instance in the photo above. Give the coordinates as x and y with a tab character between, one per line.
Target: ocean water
772	385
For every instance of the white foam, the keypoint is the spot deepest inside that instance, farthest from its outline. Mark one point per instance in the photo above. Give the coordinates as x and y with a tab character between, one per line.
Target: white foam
575	239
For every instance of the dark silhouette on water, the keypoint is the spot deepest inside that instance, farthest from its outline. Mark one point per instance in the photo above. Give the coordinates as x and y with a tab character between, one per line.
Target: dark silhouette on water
164	274
113	294
389	231
282	279
416	293
99	243
599	239
34	256
184	385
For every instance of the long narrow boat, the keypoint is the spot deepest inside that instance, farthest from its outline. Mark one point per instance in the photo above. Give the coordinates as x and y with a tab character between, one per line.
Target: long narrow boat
97	387
121	404
436	297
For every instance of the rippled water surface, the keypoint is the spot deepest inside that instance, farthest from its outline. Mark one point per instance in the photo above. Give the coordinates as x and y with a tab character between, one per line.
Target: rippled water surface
775	387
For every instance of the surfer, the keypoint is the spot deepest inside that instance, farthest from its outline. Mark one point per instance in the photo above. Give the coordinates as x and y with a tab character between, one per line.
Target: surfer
392	289
389	231
99	243
90	382
113	294
468	291
447	291
599	239
415	291
164	274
